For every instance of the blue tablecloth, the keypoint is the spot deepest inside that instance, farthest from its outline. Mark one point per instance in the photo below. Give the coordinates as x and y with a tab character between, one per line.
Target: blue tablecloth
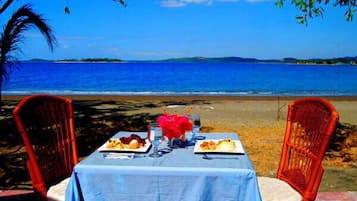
179	175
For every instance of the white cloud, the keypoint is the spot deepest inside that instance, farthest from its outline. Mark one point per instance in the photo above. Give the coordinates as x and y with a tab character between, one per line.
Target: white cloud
172	3
181	3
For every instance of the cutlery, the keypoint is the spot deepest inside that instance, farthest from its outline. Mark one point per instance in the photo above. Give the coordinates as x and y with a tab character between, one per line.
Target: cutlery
205	156
112	155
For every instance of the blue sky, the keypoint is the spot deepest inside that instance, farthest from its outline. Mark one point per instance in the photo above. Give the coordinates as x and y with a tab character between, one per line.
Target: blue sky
159	29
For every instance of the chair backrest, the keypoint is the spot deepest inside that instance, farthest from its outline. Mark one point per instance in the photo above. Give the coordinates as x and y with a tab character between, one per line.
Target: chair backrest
310	124
45	123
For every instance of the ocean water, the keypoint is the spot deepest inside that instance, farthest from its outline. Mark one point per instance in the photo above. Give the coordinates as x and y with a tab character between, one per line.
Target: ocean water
212	79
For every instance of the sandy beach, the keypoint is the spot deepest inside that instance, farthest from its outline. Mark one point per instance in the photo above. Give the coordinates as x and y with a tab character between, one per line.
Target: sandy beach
259	122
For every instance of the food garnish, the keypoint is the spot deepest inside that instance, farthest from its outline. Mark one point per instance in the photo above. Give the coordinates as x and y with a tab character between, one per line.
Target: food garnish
131	142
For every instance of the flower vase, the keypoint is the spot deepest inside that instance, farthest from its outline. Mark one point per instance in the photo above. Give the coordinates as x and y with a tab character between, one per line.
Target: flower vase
177	143
174	128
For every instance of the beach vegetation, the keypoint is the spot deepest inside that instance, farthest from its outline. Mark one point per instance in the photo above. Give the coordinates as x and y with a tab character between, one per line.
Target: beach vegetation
333	61
310	9
13	35
102	60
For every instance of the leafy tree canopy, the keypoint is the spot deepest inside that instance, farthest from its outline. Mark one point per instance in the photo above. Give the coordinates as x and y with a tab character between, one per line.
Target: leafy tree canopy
314	8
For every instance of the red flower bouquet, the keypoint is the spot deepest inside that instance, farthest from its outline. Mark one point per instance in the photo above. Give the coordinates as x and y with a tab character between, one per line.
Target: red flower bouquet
174	126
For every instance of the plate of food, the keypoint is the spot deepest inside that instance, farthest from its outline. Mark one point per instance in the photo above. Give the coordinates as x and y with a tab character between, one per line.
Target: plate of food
219	146
132	143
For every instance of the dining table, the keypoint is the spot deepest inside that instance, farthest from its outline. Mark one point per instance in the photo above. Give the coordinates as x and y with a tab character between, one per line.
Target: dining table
182	174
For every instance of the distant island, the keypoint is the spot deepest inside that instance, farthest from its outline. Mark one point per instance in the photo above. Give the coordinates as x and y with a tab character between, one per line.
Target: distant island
91	60
340	60
77	60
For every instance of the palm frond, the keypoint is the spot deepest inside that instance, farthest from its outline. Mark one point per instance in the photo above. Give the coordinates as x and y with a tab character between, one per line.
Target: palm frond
22	20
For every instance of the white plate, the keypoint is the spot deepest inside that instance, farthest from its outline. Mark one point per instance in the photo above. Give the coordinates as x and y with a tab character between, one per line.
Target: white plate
143	149
238	150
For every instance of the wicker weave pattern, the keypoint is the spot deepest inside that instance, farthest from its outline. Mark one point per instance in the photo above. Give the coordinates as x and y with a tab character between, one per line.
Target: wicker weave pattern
46	126
310	124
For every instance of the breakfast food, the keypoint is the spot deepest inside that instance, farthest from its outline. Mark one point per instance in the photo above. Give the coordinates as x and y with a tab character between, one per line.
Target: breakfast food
226	145
208	145
220	145
131	142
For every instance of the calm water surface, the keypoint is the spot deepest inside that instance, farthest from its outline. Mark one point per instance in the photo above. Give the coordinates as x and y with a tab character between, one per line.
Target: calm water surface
228	79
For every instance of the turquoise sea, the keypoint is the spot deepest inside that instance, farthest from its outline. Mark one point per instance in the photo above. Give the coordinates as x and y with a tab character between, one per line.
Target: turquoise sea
212	79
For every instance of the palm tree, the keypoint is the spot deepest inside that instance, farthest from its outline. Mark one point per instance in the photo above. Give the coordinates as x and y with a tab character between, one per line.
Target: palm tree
23	19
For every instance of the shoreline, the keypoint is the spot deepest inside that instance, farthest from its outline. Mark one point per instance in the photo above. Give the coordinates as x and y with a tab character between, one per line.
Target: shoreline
182	97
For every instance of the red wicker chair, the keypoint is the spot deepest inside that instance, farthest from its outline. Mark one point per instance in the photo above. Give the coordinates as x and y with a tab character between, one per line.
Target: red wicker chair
310	124
46	125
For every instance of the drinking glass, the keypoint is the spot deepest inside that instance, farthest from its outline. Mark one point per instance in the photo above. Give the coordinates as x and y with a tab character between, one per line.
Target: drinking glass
155	136
196	125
